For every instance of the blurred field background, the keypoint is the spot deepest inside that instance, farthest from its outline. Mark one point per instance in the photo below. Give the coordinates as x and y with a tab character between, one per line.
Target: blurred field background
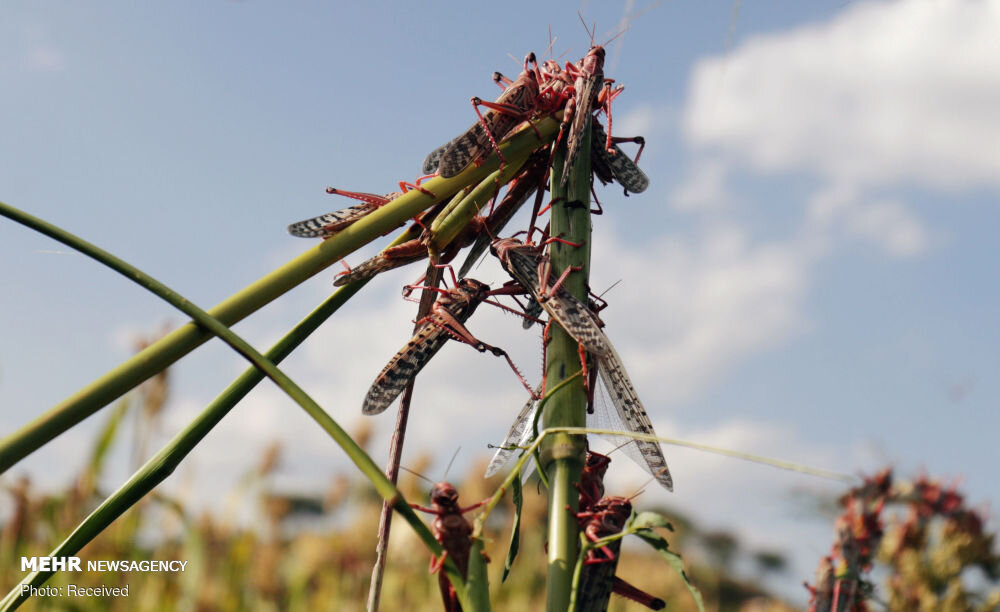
315	550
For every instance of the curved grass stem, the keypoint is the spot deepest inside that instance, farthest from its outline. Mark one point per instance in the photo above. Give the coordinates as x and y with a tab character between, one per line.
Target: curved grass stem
164	352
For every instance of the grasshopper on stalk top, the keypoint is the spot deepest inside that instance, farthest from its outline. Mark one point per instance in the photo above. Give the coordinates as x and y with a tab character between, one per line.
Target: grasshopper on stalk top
514	105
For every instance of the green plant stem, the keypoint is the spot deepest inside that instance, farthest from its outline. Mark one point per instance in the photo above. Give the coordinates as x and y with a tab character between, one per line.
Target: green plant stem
161	465
563	455
164	462
528	453
454	219
183	340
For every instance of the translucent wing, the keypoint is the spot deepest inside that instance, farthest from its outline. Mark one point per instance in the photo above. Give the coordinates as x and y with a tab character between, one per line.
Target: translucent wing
631	415
519	436
622	411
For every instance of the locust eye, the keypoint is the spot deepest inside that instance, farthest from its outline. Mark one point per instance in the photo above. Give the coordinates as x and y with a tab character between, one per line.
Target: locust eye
443	492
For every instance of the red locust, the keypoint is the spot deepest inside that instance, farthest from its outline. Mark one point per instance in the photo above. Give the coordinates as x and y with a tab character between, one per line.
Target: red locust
523	263
530	269
445	321
618	167
326	226
607	517
514	105
553	91
478	232
591	90
454	533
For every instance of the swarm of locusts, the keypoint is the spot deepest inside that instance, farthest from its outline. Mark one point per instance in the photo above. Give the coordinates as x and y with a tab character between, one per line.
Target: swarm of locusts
577	94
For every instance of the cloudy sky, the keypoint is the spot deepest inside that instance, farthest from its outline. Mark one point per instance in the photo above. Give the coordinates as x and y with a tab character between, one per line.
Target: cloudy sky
810	276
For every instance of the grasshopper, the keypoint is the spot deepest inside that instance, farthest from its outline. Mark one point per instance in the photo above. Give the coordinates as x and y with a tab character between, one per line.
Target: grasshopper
617	166
517	103
454	533
530	269
591	90
607	517
525	264
446	320
328	225
477	233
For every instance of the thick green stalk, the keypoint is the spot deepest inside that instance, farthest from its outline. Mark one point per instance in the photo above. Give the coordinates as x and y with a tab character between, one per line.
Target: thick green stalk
450	223
183	340
562	454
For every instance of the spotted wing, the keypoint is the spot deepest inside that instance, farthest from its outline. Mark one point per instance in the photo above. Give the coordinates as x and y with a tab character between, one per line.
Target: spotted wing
619	165
329	224
532	309
628	410
474	143
375	266
412	358
561	305
433	159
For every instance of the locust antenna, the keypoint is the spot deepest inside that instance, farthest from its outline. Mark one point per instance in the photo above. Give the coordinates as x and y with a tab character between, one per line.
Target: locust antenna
417	474
613	285
552	43
447	469
642	488
590	32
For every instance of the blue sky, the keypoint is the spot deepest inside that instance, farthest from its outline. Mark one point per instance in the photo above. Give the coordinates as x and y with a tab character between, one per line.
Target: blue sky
809	276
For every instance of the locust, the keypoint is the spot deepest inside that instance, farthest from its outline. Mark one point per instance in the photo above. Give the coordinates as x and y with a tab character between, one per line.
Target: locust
591	90
592	479
454	533
517	103
328	225
523	262
478	232
445	321
617	166
607	517
530	269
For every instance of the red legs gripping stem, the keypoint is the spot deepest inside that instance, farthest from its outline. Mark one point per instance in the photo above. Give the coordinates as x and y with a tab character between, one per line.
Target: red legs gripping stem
454	533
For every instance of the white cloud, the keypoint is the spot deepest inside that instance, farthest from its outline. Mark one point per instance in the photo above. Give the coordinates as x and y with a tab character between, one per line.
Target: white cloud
688	309
704	188
882	93
890	224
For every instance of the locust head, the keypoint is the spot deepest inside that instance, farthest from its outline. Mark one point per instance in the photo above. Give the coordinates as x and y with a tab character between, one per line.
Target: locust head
444	495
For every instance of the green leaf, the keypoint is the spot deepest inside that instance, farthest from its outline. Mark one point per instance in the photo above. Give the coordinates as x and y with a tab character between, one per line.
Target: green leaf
477	583
663	547
649	520
515	532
